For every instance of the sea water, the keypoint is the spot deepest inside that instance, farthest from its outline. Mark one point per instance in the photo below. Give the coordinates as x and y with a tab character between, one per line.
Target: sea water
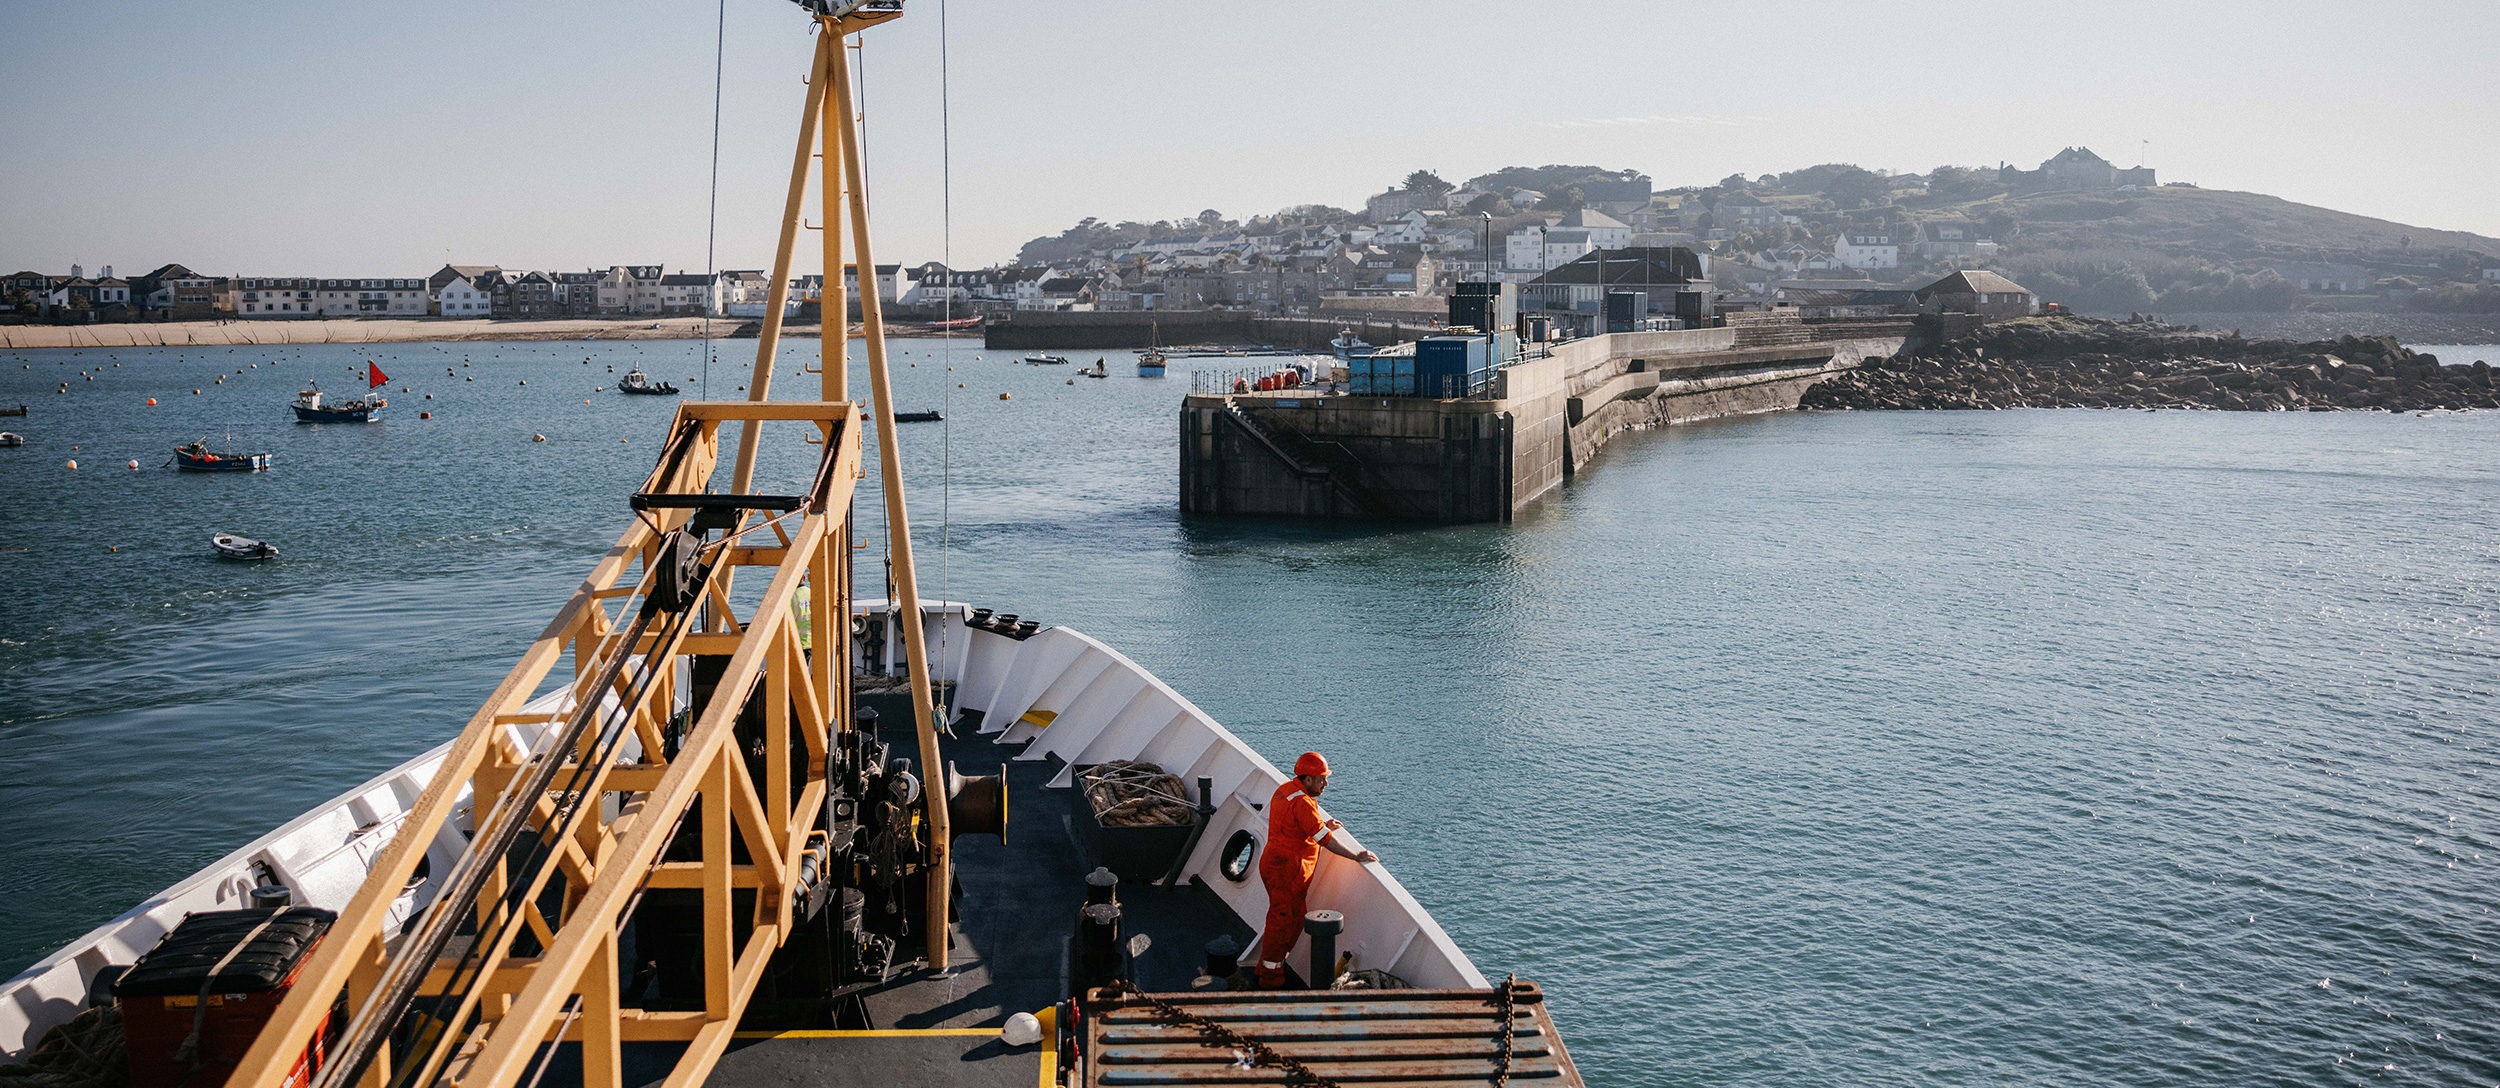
2149	748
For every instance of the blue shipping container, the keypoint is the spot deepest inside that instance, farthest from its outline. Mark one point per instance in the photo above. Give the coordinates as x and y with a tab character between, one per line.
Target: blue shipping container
1452	366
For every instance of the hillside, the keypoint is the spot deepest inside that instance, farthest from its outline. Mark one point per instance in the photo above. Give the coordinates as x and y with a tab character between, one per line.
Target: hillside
2103	247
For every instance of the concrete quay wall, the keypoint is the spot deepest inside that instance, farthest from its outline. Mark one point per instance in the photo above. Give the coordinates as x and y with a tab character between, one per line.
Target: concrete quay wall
1302	453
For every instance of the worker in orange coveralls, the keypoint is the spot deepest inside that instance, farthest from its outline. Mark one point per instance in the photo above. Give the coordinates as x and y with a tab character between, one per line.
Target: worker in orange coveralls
1296	829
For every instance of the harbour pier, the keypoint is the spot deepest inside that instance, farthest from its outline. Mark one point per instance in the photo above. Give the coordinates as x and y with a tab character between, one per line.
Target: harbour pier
1308	452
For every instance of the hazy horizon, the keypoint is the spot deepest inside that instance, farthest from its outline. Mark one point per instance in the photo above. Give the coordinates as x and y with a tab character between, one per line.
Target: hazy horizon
302	139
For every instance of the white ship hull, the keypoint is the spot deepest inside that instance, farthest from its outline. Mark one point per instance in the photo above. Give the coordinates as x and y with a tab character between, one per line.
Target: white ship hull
1057	694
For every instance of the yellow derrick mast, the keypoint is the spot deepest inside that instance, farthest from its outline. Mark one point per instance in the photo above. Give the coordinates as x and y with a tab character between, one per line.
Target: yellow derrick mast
723	806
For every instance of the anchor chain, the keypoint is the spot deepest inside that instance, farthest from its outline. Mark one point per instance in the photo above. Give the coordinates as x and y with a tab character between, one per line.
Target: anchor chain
1504	999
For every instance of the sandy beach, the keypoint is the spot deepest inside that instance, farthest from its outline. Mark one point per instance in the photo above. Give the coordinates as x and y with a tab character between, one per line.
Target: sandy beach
377	331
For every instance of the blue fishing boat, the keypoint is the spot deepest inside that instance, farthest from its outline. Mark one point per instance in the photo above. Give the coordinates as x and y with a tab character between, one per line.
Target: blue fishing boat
196	457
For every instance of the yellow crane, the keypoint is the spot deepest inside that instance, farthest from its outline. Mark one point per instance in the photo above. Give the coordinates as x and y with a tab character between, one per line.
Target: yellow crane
722	806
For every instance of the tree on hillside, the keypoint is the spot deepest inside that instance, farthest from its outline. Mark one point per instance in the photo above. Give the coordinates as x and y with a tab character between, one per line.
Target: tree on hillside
1428	185
1547	179
1859	188
1961	183
1489	202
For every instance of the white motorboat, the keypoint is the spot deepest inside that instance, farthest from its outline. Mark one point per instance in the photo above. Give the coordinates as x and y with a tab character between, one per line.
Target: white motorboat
238	547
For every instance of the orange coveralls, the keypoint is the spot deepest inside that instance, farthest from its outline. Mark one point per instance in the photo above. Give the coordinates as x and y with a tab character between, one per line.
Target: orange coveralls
1295	826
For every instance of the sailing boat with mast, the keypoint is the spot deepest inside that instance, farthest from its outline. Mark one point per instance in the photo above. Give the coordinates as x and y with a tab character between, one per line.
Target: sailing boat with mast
311	407
1150	362
722	847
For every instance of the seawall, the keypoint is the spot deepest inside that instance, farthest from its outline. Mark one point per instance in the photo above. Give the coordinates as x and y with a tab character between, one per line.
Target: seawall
1310	453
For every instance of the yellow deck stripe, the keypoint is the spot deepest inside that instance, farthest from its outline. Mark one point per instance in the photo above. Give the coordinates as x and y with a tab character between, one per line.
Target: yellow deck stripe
890	1034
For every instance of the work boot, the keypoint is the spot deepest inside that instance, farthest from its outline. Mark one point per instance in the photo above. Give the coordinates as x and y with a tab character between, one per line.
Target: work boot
1273	978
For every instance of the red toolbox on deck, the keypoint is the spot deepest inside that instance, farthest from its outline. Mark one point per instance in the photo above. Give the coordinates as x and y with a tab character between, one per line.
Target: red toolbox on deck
220	974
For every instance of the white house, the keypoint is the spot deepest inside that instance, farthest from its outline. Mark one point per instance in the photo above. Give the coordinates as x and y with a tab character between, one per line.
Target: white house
630	289
685	293
1866	249
460	298
887	289
1407	228
1539	248
2339	279
1605	231
2491	275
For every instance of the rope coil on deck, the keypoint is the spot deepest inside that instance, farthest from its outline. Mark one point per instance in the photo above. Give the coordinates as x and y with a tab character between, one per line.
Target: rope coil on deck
1134	793
86	1052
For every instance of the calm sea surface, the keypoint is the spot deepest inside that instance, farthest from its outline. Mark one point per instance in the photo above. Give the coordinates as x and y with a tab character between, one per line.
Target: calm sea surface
1969	748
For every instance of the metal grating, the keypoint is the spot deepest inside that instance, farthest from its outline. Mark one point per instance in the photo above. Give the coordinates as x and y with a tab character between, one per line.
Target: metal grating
1412	1038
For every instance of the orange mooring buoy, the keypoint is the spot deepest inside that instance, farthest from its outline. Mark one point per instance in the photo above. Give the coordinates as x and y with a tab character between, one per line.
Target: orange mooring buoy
151	402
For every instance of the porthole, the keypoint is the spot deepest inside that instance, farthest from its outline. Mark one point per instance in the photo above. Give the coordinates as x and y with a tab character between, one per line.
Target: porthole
1240	852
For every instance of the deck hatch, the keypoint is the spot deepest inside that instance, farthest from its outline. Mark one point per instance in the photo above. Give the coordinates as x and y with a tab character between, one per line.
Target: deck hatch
1346	1036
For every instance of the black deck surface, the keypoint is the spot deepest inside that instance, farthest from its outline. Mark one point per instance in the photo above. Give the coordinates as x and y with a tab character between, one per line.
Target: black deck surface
1019	909
808	1060
1011	939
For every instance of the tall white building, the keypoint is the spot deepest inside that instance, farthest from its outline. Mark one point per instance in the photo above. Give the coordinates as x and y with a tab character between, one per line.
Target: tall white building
1863	249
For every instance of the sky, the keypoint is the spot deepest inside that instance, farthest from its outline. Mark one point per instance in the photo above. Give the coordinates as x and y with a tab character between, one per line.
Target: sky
324	139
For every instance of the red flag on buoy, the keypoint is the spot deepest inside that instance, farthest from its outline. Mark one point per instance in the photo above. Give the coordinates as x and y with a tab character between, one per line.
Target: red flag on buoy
374	378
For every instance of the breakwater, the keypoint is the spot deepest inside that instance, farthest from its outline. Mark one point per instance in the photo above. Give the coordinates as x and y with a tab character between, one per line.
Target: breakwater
2085	363
1323	454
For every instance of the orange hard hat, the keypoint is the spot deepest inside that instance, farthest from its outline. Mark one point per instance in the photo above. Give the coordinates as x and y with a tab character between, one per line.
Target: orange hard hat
1311	763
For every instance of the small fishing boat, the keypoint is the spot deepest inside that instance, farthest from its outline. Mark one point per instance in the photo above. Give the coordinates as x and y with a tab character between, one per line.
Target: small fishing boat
1038	359
231	546
17	411
196	457
311	407
11	439
1099	371
919	417
1347	343
638	382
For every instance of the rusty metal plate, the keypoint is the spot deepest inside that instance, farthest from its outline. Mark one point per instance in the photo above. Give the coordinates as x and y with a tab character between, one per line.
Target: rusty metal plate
1414	1038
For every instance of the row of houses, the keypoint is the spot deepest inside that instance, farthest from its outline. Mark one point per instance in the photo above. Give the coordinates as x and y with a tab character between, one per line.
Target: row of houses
175	292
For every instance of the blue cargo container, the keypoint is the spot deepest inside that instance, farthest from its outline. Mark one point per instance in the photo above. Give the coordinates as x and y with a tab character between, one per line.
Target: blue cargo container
1453	366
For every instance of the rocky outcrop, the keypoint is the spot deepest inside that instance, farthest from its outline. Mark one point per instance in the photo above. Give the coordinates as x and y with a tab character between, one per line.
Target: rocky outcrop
2068	362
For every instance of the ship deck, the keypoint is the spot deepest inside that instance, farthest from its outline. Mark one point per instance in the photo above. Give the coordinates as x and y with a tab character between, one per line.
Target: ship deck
1011	954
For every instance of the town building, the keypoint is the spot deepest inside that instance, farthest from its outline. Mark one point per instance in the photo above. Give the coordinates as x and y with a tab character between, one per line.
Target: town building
1983	293
1617	198
685	293
470	272
1945	239
275	296
1382	207
932	284
1866	250
1674	283
376	297
2326	279
889	287
2073	169
184	295
458	297
630	289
